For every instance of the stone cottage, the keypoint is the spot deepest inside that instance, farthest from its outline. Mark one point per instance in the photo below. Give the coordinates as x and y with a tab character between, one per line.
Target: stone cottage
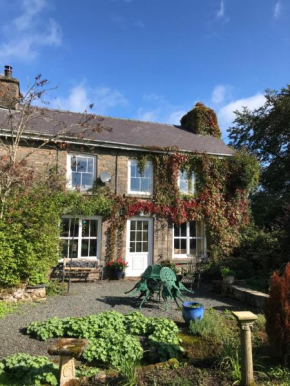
111	155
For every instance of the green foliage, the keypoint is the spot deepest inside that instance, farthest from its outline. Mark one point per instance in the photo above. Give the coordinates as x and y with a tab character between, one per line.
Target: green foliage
128	370
211	325
230	361
163	335
266	132
86	371
111	335
6	308
56	287
136	323
34	370
226	271
279	374
113	348
202	120
51	328
29	229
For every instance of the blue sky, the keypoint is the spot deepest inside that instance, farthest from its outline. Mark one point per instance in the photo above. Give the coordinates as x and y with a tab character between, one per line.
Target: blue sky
149	59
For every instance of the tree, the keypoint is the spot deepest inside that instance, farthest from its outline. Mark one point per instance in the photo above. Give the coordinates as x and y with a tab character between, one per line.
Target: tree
17	123
266	133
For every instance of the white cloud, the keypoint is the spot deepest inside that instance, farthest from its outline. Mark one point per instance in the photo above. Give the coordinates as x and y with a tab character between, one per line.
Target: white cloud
160	110
175	116
81	97
226	114
221	12
28	32
31	8
277	10
148	116
219	94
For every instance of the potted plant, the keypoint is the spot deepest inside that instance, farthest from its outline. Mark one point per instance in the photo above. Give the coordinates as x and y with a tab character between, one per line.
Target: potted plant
228	275
192	311
118	266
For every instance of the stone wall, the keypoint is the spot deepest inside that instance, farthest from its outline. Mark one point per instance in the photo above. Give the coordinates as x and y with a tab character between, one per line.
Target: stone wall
9	92
115	162
23	294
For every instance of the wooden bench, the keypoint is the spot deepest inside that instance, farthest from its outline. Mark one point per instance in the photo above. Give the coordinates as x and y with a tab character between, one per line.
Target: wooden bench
78	272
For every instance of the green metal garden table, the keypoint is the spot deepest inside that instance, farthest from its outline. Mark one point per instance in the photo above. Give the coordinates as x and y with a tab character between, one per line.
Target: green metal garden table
159	281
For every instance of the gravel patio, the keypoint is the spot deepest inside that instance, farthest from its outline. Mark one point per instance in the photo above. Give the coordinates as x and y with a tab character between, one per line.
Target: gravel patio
90	298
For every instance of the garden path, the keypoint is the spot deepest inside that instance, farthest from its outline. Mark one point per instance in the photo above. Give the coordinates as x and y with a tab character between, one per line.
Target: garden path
90	298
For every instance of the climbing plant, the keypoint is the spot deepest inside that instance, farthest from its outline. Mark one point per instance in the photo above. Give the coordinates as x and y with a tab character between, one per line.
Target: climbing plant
220	198
201	120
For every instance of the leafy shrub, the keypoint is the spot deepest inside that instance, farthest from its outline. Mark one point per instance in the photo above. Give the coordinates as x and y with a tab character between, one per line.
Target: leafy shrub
114	348
277	314
164	338
212	325
111	335
55	287
136	323
51	328
36	370
29	229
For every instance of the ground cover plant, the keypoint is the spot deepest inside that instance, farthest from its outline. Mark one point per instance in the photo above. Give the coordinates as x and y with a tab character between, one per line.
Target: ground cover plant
124	342
113	336
6	308
26	370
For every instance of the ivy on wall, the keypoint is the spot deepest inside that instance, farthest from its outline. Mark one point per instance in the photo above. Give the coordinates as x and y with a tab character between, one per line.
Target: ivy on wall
201	120
29	229
220	199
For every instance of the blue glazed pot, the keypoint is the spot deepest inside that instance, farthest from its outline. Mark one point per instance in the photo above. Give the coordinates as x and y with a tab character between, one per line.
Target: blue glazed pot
189	313
118	274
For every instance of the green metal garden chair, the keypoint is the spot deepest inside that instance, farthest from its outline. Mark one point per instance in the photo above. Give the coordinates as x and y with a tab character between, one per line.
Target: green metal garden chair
171	287
148	285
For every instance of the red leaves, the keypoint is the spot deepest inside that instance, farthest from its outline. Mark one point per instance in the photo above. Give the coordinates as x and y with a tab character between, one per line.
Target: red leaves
277	314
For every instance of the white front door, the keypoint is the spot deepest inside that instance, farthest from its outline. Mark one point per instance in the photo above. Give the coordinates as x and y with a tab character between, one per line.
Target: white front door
139	245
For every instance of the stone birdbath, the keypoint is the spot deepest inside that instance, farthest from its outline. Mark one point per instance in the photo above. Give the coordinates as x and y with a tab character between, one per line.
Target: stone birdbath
246	320
68	349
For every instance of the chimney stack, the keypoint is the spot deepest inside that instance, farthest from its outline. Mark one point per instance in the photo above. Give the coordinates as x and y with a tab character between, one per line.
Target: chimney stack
8	71
9	90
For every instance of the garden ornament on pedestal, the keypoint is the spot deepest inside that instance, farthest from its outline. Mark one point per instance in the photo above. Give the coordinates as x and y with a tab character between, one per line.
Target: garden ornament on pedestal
246	320
68	349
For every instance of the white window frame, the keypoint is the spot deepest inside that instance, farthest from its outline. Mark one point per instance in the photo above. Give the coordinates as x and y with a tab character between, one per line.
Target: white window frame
69	171
192	191
188	238
80	237
136	192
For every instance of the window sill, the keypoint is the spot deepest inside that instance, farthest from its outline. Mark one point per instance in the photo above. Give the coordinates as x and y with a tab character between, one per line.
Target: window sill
139	195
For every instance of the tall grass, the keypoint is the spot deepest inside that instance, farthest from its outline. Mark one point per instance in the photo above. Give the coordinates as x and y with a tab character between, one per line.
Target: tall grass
128	370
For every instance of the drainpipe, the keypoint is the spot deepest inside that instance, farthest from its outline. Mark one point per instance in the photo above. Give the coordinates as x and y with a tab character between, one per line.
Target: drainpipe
116	173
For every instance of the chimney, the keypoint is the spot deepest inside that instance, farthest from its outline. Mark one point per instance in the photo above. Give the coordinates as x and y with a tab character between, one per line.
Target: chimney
9	90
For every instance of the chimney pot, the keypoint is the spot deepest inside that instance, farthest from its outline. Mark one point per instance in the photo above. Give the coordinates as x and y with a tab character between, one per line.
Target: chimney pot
8	71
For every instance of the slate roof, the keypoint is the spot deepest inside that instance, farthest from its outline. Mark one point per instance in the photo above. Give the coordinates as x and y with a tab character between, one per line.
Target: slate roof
125	132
